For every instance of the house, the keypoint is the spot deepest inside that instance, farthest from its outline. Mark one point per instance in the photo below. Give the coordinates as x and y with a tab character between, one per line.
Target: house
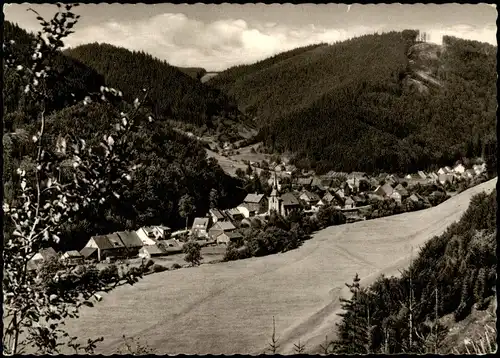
433	176
247	210
442	171
421	174
401	190
444	178
227	237
234	214
72	257
408	176
309	198
90	253
149	235
469	173
384	190
375	197
200	227
326	183
220	227
305	182
448	169
255	202
330	199
217	215
349	203
106	246
396	196
392	180
479	168
289	202
340	193
151	251
130	241
42	256
171	246
459	169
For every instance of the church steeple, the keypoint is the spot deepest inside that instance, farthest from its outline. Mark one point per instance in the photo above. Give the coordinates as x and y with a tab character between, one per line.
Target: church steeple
274	201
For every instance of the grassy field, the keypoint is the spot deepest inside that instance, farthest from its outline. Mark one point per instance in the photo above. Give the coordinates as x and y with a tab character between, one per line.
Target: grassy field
227	308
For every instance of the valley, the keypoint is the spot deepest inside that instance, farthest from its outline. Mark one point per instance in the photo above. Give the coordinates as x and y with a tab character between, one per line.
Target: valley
227	308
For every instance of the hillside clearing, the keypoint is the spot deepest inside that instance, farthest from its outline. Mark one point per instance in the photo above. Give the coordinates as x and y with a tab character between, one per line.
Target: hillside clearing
227	308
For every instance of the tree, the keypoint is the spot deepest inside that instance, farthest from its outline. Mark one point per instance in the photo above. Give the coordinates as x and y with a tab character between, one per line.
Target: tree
186	207
192	249
36	303
240	173
214	198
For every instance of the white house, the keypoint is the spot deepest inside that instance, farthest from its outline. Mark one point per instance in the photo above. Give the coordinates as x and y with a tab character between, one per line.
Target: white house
396	196
149	235
246	210
459	169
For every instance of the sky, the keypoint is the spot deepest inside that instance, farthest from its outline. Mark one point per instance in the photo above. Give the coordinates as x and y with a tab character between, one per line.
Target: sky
217	37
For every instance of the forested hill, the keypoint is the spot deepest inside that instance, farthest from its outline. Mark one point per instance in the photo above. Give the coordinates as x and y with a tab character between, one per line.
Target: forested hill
174	94
376	102
76	80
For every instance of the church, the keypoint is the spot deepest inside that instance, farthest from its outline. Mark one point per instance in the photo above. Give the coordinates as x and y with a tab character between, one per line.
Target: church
282	204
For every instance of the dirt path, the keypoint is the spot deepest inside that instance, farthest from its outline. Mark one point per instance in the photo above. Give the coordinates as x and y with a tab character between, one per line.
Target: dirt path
227	308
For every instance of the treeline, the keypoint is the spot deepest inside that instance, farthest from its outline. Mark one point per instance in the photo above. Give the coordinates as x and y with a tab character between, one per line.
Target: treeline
452	273
173	93
352	108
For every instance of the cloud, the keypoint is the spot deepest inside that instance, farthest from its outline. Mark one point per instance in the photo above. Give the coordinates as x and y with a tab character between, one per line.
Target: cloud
465	31
217	45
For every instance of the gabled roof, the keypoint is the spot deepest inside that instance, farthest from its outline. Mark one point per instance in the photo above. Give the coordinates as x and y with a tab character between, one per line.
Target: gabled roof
234	235
356	198
252	207
103	242
88	251
357	175
72	254
349	199
200	223
385	189
217	214
115	240
130	239
253	198
233	211
224	225
401	189
304	181
289	199
48	253
153	250
310	196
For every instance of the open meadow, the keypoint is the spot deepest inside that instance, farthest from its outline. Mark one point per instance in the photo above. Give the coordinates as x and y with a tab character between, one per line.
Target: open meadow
227	308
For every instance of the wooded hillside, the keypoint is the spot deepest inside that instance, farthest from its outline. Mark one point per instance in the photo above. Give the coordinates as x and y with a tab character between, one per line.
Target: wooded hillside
372	103
173	93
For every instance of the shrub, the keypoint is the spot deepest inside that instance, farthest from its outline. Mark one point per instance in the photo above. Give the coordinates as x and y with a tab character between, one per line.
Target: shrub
175	266
158	268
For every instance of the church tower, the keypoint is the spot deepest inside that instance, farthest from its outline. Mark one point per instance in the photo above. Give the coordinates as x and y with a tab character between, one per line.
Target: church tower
274	200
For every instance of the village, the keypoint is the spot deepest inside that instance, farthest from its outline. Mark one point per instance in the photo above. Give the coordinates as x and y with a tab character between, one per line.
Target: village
354	194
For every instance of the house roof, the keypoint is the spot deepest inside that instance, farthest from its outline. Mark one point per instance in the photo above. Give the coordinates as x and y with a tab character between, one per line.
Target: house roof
103	242
130	238
250	206
153	250
200	223
72	253
356	198
357	175
401	189
233	211
349	199
48	253
253	198
87	251
289	199
225	225
234	235
304	181
310	196
216	213
328	197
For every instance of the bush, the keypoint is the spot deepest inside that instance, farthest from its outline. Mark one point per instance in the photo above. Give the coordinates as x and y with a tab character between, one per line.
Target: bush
158	268
175	266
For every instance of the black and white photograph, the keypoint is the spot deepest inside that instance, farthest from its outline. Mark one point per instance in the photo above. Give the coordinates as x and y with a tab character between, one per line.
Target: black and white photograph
249	178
